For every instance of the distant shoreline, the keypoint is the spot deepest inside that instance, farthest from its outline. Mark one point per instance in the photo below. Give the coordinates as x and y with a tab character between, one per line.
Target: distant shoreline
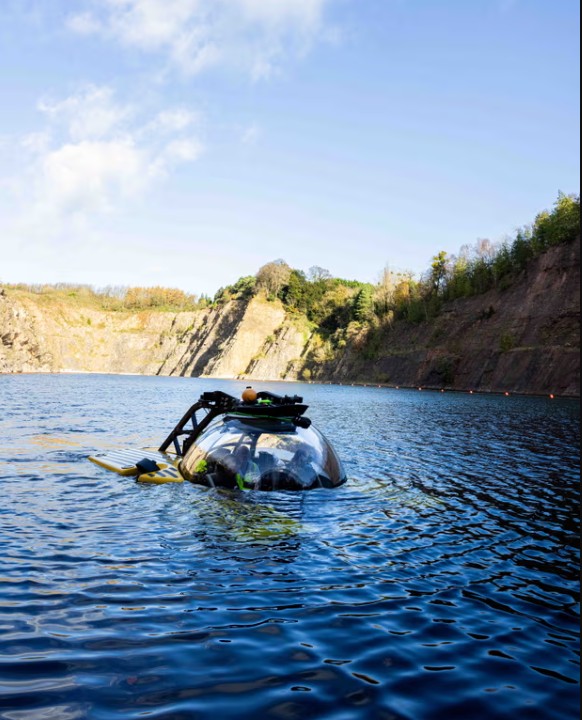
377	386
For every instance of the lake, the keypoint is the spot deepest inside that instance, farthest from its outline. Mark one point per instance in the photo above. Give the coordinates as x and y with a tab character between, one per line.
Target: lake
440	582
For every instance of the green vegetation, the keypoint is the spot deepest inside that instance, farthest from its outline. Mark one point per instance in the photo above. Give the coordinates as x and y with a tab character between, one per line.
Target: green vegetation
487	266
114	298
347	311
341	308
327	302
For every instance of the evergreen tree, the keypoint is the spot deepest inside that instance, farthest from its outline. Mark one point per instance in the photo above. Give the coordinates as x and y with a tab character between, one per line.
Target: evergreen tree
364	304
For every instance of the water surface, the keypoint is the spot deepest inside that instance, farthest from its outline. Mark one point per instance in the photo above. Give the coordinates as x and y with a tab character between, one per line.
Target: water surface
440	582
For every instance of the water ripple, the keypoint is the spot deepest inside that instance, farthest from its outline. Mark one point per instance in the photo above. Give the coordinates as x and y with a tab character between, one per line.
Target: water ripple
441	581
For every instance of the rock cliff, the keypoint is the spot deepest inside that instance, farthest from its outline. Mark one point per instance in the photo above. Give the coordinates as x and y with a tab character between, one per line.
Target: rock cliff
39	334
524	338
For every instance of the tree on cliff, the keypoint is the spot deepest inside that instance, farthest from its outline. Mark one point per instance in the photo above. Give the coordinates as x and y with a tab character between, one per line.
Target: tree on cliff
486	265
439	271
273	276
316	273
560	226
364	304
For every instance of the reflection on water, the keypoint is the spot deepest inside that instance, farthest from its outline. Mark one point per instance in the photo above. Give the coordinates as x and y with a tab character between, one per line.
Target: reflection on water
441	581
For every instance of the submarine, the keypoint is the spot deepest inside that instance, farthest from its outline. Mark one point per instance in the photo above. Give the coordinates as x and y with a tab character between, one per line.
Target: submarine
260	441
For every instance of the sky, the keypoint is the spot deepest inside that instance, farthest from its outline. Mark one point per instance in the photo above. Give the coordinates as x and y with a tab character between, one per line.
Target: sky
186	143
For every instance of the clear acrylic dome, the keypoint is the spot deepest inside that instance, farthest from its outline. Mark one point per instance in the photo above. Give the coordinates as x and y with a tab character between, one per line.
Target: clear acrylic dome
262	454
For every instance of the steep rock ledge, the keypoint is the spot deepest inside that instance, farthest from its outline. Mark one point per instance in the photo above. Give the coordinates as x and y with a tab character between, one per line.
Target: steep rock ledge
525	338
220	342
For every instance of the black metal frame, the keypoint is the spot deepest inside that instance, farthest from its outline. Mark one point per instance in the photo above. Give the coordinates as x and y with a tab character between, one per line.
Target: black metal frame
219	403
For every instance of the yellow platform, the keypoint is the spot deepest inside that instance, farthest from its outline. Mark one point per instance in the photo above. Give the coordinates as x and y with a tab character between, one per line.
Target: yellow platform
124	462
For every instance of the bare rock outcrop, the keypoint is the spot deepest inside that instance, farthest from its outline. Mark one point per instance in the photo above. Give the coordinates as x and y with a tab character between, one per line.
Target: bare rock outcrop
523	338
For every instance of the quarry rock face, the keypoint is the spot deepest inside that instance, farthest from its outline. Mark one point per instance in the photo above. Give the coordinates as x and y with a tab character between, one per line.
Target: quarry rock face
524	338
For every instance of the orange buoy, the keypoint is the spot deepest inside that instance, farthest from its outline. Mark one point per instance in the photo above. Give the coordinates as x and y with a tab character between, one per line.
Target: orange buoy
249	395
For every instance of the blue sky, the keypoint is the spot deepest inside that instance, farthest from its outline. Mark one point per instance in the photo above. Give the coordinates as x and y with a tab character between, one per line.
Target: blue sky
185	143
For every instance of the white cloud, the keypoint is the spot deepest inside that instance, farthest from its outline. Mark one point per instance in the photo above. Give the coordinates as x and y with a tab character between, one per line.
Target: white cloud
89	177
151	23
95	154
89	114
183	150
255	35
174	120
305	14
37	142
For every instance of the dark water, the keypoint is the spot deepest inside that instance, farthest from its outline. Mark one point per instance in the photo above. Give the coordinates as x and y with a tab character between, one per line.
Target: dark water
441	582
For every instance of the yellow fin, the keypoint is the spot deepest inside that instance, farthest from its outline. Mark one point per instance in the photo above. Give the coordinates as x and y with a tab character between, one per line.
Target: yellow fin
124	461
166	474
